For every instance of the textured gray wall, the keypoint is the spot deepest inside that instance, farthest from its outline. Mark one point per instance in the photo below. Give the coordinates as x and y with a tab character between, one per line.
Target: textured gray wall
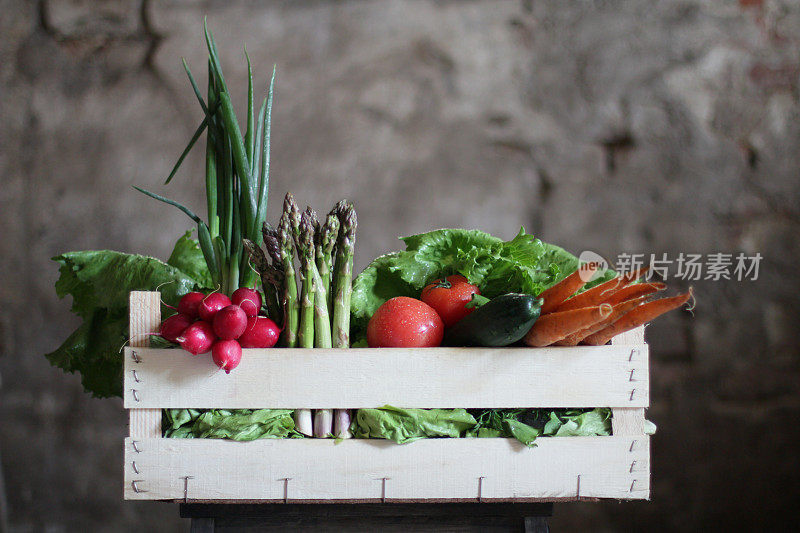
617	126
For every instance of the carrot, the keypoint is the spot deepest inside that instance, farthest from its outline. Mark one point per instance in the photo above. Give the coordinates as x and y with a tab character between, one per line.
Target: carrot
565	288
594	296
616	313
634	291
637	317
555	326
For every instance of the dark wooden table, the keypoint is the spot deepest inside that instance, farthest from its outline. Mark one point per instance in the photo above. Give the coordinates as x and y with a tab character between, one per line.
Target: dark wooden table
384	517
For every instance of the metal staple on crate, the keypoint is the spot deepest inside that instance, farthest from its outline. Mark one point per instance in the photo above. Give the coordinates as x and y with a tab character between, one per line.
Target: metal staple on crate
383	489
186	488
635	351
285	489
480	488
633	486
633	443
135	448
136	488
632	465
630	377
578	488
135	357
632	393
135	394
135	377
133	465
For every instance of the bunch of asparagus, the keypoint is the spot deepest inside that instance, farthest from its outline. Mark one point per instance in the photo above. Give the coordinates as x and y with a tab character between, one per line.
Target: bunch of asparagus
318	314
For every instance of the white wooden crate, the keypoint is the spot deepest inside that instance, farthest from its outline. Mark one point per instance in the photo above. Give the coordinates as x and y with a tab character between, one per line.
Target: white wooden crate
356	470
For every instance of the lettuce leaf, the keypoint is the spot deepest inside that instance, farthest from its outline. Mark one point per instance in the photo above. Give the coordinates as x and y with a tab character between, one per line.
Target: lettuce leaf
578	423
524	264
99	282
188	258
525	425
238	424
408	425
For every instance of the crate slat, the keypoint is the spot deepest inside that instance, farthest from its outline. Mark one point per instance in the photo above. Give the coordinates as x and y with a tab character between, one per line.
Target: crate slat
145	318
429	469
586	376
630	420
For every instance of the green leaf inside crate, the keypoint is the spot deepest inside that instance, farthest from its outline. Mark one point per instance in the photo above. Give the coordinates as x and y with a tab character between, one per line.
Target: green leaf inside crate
408	425
238	424
577	423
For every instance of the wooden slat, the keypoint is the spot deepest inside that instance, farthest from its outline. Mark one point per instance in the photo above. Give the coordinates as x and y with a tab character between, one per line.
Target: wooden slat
630	420
320	469
627	421
145	318
585	376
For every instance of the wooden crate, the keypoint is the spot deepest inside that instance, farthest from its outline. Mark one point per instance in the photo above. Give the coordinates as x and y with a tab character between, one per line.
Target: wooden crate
359	470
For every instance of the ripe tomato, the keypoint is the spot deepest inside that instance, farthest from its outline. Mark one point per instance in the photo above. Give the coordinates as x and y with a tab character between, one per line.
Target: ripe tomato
404	322
449	297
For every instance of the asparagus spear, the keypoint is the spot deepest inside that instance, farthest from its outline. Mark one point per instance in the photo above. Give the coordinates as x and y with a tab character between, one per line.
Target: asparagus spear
294	331
342	286
305	250
327	235
294	218
323	418
323	423
302	421
271	276
322	319
272	246
289	299
343	275
341	424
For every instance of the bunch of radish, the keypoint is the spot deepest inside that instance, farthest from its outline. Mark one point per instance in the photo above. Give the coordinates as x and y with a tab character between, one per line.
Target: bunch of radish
221	325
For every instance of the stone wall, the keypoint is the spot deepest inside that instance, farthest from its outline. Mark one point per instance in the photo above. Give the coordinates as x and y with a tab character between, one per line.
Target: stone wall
615	126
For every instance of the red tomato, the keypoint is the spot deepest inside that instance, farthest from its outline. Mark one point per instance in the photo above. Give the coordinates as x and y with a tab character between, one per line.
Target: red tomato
404	322
449	301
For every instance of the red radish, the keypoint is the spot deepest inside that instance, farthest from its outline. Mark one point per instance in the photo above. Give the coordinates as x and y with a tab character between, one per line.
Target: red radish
197	338
211	304
248	299
190	304
173	327
261	332
226	354
230	322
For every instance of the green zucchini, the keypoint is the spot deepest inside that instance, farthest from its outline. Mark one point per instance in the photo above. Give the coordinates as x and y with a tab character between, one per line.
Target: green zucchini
502	321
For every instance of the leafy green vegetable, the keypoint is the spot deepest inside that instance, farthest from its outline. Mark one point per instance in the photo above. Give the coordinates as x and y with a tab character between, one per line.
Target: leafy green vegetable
408	425
504	423
524	264
477	300
525	425
393	423
522	432
239	424
188	258
574	422
99	282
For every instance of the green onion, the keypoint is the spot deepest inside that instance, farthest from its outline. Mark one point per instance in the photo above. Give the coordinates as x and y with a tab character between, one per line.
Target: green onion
237	174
